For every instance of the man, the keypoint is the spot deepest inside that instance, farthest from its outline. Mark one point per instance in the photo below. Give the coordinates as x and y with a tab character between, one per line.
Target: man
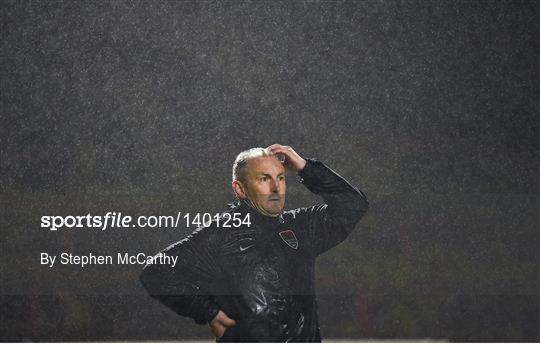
255	282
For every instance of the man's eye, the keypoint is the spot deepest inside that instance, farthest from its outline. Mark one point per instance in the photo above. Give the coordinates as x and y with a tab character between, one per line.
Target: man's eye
263	179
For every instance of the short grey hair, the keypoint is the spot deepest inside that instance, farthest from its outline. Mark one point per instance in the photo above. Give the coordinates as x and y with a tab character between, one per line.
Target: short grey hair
239	171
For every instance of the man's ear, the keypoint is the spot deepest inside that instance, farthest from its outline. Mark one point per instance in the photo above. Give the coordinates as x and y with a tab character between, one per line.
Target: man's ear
238	189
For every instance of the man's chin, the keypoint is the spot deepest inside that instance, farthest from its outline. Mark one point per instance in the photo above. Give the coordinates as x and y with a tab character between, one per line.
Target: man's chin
274	210
268	208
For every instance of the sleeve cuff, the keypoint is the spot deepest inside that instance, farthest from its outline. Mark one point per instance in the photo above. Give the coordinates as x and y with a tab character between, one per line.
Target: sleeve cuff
210	313
307	171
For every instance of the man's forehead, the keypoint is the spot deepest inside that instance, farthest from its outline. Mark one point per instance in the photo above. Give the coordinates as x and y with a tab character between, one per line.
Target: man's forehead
266	164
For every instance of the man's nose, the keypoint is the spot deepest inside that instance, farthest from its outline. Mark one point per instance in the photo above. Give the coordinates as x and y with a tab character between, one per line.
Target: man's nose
275	186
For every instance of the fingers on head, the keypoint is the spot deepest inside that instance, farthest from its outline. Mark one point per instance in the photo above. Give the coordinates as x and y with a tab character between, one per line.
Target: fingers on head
274	146
277	148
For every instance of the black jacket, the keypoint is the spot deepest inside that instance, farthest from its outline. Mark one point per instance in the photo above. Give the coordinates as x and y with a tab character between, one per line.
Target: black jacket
262	276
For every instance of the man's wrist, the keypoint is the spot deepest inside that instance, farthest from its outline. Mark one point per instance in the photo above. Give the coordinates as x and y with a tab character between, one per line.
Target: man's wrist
304	161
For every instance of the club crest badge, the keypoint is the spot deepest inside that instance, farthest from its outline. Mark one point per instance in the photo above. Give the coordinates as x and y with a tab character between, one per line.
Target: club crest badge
289	238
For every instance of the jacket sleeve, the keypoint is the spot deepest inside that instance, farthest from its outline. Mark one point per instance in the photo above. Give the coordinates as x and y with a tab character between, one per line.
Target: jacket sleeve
329	224
187	287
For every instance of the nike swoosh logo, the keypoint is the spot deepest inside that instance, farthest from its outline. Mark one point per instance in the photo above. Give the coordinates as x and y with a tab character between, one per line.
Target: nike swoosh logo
245	248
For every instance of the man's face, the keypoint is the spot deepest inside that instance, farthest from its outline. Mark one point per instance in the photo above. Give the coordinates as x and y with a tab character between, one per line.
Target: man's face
265	185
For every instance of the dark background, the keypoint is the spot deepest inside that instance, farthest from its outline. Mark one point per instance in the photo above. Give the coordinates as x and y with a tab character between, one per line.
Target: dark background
431	108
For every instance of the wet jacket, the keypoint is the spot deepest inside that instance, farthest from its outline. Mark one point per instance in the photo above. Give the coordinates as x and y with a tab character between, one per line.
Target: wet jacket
261	275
